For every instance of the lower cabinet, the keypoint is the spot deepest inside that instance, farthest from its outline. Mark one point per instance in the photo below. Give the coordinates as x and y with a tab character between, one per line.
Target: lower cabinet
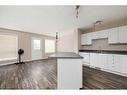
103	61
110	62
86	58
94	59
117	63
98	60
121	63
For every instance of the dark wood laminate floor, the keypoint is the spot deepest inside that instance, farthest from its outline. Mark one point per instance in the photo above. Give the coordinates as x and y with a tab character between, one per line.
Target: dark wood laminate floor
43	75
97	79
32	75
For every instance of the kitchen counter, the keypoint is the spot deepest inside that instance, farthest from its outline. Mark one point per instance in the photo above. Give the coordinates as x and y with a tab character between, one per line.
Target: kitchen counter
69	70
66	55
105	51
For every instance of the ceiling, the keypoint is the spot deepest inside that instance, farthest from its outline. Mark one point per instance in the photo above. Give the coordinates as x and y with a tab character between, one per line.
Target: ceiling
51	19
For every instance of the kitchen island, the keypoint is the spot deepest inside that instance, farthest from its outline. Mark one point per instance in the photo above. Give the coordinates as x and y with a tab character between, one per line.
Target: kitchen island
69	70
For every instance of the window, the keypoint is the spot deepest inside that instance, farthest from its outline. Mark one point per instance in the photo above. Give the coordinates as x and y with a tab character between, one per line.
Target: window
49	46
37	44
8	47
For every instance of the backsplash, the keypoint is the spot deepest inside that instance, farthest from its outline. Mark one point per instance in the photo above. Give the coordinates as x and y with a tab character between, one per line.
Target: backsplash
103	45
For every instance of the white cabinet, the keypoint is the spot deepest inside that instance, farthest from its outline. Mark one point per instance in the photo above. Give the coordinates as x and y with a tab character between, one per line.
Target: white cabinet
98	60
103	34
69	73
116	63
86	58
113	36
113	62
121	63
100	34
94	59
83	39
109	62
122	34
118	35
86	39
89	38
103	60
95	35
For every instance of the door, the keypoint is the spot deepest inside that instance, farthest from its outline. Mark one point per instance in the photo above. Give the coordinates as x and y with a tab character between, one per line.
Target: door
36	48
103	34
94	59
89	38
83	39
113	36
111	62
121	64
102	61
123	34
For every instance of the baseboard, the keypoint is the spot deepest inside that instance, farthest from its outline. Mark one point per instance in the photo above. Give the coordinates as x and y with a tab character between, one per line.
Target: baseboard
10	63
106	70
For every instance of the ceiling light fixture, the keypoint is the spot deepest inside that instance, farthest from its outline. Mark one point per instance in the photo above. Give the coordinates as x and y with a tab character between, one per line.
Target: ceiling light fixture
56	42
98	22
77	10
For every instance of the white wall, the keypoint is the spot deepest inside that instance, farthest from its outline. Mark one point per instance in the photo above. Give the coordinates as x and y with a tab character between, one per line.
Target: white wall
68	42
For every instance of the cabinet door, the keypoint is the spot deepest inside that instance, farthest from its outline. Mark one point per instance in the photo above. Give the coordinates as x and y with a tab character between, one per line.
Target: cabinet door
95	35
89	38
86	39
117	63
110	62
83	39
86	58
103	34
103	61
121	63
113	36
94	59
123	34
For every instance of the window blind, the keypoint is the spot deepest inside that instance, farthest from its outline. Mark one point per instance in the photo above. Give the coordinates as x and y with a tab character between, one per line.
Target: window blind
8	47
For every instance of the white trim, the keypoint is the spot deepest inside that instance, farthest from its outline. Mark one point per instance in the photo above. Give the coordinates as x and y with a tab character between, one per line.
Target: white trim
107	70
9	63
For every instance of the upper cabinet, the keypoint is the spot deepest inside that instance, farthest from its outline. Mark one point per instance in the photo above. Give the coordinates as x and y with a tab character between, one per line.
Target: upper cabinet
113	36
122	34
103	34
95	35
83	39
100	34
116	35
86	39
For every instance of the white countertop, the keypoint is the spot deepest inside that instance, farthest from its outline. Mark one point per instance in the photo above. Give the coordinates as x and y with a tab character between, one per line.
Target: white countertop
70	55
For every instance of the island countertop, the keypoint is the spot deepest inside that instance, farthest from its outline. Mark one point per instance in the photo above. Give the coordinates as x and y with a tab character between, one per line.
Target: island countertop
64	55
